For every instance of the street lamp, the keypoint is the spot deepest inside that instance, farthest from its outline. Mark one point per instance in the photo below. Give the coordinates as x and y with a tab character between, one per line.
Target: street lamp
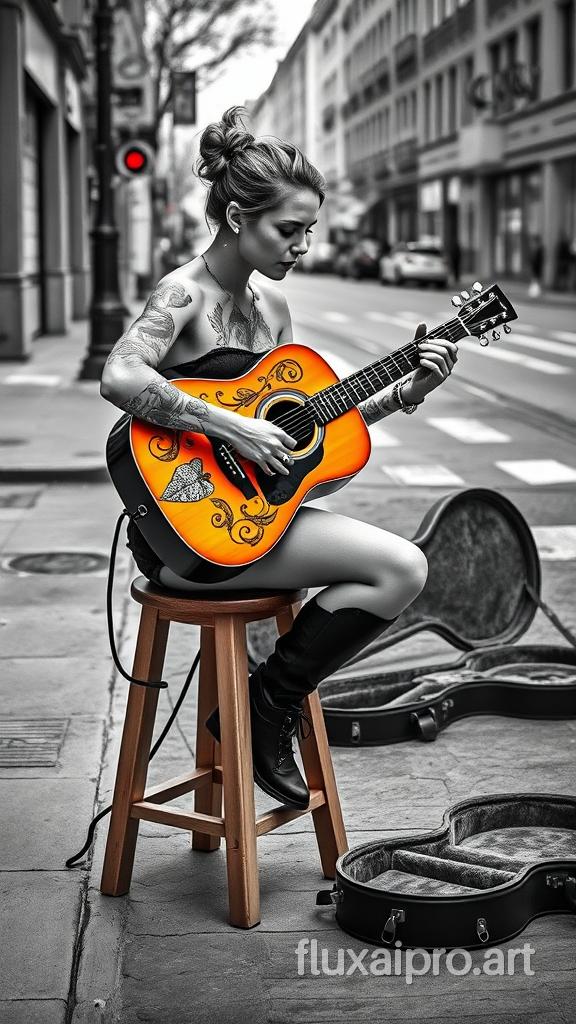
107	310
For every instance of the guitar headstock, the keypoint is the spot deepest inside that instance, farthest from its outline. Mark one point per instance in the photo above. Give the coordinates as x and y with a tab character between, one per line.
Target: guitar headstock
485	310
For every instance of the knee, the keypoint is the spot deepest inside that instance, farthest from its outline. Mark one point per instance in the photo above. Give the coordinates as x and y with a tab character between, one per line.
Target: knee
412	572
416	569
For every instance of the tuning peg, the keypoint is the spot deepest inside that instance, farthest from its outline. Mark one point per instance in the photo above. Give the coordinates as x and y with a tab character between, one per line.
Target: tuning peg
465	295
477	287
495	335
484	340
456	301
507	329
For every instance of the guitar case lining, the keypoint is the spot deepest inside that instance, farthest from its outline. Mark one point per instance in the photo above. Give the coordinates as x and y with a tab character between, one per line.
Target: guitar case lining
481	595
496	863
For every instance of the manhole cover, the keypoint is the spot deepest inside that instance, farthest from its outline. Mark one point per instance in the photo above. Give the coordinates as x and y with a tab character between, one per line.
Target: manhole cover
57	563
31	742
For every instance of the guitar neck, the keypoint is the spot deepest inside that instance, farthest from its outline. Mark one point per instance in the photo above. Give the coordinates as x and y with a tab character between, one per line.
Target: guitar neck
336	399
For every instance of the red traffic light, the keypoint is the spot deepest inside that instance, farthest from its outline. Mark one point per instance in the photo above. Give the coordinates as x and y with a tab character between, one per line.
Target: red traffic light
134	159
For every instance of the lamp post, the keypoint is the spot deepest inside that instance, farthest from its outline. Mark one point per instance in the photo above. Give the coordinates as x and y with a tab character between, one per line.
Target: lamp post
106	310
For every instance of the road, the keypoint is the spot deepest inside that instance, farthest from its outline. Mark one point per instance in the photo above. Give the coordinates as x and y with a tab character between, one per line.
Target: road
505	420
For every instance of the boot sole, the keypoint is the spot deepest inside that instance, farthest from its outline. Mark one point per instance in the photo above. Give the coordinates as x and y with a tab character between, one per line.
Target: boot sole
269	790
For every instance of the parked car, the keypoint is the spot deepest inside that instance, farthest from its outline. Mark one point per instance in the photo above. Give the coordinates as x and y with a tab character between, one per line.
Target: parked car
418	262
361	260
320	259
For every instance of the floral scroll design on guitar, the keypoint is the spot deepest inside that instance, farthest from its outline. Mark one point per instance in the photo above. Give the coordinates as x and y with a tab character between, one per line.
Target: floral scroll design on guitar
249	529
288	371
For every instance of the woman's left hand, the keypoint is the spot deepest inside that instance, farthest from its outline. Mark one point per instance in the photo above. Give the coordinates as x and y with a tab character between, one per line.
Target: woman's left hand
438	357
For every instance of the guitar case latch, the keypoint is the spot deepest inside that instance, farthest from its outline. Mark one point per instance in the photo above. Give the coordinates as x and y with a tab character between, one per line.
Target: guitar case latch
426	724
566	882
329	897
389	930
482	929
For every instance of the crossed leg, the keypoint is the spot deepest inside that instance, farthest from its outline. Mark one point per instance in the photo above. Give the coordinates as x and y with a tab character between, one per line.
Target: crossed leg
360	565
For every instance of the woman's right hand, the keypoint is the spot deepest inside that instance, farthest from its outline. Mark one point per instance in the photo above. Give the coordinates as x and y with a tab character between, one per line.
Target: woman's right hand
262	442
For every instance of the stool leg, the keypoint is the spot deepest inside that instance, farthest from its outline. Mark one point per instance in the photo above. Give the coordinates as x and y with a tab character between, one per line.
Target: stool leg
239	813
134	753
208	799
319	770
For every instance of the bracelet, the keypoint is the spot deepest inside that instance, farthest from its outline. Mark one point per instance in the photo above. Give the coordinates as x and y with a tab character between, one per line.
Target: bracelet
397	396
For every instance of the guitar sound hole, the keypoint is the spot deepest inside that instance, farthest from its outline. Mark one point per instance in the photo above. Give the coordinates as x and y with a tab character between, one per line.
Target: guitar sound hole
295	420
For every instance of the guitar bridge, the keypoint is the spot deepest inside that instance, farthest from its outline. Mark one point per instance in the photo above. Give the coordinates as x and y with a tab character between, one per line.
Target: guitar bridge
232	469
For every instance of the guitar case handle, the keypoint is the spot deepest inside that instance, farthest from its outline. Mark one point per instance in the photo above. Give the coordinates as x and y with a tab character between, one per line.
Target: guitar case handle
426	724
570	891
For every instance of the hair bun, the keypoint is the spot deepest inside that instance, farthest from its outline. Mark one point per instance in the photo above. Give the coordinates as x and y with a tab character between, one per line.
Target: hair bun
220	142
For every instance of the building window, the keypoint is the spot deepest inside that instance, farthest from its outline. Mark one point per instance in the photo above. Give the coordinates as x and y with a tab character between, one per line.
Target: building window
439	106
467	77
427	112
567	56
452	99
533	56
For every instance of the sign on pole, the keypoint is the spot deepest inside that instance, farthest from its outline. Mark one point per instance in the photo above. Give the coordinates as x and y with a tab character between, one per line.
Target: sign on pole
184	97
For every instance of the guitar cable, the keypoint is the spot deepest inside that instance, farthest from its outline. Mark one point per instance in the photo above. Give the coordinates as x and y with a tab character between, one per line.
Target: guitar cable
159	685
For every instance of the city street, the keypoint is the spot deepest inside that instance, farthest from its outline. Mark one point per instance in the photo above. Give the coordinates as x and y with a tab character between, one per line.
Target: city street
77	956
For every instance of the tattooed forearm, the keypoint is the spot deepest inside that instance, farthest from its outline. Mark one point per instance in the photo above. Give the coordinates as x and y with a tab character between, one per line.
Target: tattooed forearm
164	404
153	332
377	408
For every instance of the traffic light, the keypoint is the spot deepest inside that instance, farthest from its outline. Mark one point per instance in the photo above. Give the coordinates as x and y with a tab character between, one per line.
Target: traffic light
135	159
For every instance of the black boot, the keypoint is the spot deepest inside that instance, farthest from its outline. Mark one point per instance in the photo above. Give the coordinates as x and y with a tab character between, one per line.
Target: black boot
318	643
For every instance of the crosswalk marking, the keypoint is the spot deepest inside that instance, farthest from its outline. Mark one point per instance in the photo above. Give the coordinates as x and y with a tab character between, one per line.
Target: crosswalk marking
423	476
541	365
564	336
468	430
539	471
36	379
336	318
386	318
555	543
543	344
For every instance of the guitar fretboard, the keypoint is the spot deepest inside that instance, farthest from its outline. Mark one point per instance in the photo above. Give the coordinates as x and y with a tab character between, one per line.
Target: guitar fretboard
338	398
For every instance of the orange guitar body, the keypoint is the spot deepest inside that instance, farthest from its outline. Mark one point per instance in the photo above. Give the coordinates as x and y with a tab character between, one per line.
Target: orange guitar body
199	494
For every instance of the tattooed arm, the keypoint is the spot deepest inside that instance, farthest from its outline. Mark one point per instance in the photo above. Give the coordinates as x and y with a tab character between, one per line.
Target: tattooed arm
379	406
129	378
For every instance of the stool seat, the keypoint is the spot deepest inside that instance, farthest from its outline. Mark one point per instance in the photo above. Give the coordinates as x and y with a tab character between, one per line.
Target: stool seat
222	780
184	606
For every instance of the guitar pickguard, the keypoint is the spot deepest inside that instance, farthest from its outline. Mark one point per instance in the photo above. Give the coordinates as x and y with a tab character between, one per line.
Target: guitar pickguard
281	488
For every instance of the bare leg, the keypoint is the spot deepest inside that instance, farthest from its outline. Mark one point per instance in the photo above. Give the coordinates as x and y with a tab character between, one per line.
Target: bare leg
360	565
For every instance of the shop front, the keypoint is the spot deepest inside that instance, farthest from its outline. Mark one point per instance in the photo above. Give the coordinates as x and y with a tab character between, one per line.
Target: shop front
517	221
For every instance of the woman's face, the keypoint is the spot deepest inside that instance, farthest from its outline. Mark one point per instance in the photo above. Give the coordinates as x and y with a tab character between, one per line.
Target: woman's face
273	242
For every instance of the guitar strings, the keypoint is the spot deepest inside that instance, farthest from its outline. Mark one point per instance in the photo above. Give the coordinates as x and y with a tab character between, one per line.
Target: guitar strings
295	417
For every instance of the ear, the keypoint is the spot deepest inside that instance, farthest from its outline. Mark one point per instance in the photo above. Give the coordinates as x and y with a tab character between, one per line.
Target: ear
234	217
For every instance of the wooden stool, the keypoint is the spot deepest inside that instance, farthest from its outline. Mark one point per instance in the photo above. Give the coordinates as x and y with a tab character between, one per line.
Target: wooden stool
223	681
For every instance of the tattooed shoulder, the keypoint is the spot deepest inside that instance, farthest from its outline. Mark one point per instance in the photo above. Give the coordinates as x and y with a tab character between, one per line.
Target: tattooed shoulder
154	331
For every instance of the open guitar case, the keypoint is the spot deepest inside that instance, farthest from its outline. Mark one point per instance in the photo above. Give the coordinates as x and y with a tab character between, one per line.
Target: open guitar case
500	860
481	595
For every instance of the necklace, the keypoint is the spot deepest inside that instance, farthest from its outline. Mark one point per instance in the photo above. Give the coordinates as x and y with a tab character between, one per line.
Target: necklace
220	285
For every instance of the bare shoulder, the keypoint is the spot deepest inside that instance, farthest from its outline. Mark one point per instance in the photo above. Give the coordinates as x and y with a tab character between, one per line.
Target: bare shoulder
178	290
277	302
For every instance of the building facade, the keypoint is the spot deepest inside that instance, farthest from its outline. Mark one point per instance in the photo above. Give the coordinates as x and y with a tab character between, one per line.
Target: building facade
44	250
449	118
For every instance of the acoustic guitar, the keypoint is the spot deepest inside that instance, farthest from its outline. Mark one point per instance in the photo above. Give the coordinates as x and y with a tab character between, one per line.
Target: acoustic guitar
208	512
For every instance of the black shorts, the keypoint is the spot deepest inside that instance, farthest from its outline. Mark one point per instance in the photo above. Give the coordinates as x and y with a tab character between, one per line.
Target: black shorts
149	563
146	560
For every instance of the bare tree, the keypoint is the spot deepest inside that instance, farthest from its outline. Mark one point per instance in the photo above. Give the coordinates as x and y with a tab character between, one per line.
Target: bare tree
203	35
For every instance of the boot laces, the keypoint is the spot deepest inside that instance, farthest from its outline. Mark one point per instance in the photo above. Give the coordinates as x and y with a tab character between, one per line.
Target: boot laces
292	725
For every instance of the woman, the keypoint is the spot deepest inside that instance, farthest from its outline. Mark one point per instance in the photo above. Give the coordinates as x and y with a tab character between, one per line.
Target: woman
264	198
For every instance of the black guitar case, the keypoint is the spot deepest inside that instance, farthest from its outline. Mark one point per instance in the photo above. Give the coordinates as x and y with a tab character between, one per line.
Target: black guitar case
482	592
496	863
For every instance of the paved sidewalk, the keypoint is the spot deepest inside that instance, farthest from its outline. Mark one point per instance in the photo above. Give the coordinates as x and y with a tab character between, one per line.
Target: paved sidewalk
53	425
165	953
